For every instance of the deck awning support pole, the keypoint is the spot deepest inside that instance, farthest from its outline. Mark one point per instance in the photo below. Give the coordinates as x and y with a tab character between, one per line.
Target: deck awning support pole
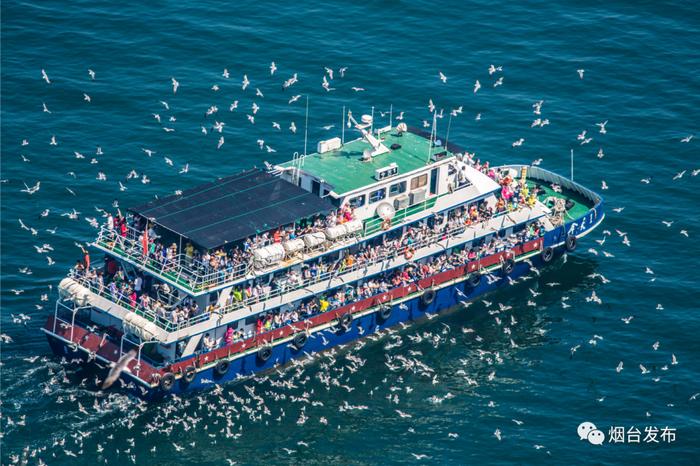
572	165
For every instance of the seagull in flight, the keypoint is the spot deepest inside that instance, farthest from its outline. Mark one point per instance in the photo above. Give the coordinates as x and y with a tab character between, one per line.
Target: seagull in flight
31	190
45	77
273	68
687	138
477	86
580	72
443	78
245	82
92	74
176	84
602	127
493	69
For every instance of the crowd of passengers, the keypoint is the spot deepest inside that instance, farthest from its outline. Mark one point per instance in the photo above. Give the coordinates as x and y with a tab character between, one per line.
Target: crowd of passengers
226	263
221	262
376	285
136	292
130	291
438	228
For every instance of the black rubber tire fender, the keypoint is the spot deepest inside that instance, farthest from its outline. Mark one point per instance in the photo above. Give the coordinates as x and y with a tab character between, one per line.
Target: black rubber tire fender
300	340
384	312
167	381
428	297
265	353
508	266
547	254
189	374
222	367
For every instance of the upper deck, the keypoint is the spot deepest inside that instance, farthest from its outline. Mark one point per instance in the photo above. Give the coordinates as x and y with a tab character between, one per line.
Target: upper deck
226	214
345	171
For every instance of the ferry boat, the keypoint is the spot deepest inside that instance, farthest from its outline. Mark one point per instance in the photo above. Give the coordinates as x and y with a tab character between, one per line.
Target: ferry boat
257	269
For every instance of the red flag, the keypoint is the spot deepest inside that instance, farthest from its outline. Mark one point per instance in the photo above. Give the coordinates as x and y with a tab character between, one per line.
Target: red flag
144	242
87	260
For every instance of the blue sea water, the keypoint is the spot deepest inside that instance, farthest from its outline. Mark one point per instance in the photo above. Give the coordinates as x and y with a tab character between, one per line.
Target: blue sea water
642	70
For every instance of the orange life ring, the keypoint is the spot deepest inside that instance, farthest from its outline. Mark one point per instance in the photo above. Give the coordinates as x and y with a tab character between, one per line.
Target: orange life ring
409	254
386	224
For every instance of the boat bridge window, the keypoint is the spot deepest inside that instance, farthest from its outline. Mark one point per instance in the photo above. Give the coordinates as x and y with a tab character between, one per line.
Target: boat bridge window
397	188
356	202
376	196
433	181
419	181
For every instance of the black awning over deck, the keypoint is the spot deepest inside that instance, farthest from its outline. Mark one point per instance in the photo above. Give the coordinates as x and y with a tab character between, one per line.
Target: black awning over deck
233	208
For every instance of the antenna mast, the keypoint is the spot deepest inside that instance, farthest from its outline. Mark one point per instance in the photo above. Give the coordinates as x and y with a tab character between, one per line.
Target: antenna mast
447	137
572	165
343	128
306	125
432	135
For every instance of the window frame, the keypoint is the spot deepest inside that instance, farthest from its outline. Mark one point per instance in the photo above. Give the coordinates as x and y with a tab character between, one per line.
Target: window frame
374	201
364	201
404	186
420	181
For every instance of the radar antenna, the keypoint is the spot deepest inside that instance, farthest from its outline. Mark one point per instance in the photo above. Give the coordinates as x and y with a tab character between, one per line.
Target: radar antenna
377	146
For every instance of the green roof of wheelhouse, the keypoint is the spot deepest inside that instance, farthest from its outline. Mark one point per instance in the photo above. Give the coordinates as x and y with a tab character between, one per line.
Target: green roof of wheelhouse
345	171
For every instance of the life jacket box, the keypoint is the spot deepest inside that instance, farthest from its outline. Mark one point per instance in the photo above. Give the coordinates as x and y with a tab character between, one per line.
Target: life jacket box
313	240
416	196
353	226
292	246
268	255
329	145
335	232
401	202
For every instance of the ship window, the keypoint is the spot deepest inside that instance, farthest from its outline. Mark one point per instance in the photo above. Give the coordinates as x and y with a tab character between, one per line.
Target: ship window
376	196
419	181
397	188
356	202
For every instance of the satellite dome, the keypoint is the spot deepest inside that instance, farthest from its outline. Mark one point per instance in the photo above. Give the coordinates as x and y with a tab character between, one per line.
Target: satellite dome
385	211
366	119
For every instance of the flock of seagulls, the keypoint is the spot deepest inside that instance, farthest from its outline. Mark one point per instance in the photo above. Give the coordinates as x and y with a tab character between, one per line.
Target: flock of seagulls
338	377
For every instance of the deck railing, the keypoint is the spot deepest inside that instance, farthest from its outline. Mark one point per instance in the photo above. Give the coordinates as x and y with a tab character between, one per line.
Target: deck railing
337	270
194	276
341	270
374	224
181	270
163	322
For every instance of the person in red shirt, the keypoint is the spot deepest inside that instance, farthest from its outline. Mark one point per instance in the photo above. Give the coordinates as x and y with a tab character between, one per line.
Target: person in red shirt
132	299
